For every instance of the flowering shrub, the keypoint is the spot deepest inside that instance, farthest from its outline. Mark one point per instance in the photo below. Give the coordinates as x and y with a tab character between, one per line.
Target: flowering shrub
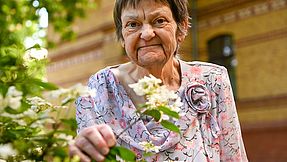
33	128
37	133
34	114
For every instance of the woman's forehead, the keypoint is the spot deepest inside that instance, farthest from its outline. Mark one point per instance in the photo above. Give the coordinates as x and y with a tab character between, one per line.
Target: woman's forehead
136	3
147	8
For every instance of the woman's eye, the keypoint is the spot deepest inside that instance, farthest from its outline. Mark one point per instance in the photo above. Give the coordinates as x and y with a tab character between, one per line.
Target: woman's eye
160	21
132	25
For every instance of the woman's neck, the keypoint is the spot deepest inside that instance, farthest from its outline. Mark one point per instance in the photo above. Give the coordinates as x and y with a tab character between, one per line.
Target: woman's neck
169	73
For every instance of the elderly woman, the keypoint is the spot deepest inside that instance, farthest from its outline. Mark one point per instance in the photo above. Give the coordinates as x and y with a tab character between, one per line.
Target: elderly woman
151	31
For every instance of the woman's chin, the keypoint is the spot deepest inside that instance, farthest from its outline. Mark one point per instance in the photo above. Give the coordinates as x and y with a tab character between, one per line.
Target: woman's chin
151	61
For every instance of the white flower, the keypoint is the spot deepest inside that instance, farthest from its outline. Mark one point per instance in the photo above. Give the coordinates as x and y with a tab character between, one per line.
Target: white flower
36	151
21	122
82	90
55	94
13	116
164	97
14	102
7	150
138	89
67	138
175	106
39	104
146	85
66	95
149	147
30	113
38	124
37	54
157	95
13	97
36	100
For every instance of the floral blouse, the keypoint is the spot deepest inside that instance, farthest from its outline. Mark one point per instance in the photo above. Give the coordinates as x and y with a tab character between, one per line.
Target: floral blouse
210	130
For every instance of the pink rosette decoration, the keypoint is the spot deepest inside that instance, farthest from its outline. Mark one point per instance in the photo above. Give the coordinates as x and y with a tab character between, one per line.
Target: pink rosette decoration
197	97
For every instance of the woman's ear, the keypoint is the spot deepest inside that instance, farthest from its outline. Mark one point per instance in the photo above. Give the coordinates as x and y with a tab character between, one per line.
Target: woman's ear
122	43
183	30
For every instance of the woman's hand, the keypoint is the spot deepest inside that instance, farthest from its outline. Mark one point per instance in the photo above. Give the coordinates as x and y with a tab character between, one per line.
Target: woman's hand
93	143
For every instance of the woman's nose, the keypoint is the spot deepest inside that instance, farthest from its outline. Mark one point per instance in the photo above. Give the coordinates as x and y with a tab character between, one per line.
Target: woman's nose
147	32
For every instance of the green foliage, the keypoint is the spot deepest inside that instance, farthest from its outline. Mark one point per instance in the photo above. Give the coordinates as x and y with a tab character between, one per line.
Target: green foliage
30	126
18	16
15	70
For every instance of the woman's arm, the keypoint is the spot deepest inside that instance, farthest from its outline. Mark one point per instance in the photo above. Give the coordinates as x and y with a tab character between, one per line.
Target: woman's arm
94	139
231	143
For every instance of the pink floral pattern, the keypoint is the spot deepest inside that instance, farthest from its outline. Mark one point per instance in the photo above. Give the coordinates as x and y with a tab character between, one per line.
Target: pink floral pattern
210	127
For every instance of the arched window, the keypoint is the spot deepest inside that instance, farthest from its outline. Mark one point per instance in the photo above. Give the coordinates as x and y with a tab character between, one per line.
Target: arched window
221	52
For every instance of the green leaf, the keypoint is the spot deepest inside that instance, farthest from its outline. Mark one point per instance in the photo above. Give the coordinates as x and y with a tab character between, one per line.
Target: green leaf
72	123
3	88
170	126
153	113
60	152
67	101
110	158
45	85
168	112
36	46
124	153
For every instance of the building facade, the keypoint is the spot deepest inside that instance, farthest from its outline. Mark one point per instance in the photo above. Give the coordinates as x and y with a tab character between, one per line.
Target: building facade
249	37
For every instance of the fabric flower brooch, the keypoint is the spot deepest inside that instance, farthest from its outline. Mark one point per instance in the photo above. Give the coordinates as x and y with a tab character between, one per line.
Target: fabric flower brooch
197	97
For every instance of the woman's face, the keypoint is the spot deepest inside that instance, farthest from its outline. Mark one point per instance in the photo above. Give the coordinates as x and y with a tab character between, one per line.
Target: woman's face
149	33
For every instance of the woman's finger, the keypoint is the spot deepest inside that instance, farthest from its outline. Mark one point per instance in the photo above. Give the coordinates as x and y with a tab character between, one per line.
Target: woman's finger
74	151
88	147
107	134
93	135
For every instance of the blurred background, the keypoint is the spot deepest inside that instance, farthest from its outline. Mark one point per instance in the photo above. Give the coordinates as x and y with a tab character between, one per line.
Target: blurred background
248	37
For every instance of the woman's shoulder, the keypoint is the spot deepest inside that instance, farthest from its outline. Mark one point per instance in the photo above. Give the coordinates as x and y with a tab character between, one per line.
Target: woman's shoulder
202	67
102	76
109	74
202	64
204	72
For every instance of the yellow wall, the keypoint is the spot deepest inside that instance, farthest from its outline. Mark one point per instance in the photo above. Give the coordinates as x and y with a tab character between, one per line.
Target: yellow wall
205	3
262	69
95	48
260	49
